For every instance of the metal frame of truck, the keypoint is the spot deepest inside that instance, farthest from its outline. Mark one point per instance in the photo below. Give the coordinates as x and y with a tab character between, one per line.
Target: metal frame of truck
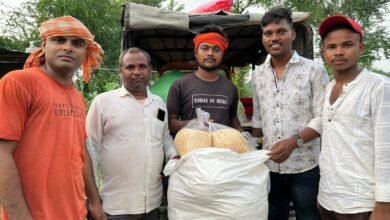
167	36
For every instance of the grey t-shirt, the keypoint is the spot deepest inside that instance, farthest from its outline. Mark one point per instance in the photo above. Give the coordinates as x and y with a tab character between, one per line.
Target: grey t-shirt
219	98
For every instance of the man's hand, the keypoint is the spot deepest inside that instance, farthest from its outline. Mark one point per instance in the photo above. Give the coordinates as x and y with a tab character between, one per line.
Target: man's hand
282	150
11	192
97	211
381	211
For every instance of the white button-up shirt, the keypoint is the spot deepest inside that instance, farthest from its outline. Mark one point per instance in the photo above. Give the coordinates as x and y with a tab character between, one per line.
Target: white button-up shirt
355	155
284	107
127	141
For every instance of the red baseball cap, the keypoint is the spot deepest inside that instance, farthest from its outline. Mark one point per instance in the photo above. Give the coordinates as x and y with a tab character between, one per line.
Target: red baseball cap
337	20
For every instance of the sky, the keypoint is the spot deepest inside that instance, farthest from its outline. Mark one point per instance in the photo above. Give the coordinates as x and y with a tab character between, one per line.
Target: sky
192	4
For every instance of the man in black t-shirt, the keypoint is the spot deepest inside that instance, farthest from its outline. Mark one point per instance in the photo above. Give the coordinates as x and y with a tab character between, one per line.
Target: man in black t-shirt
205	88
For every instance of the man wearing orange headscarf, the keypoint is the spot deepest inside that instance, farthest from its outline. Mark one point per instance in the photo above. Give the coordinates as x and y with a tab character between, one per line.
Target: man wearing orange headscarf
205	88
44	168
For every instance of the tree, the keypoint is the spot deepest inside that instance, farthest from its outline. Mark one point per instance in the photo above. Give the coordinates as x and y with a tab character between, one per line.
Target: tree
17	28
174	6
241	79
102	17
240	6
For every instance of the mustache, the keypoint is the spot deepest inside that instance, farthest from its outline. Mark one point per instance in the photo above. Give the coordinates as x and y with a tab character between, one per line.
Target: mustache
209	59
67	56
339	59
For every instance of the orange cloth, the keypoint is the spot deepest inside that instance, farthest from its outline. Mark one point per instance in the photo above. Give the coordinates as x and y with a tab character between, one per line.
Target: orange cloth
211	38
67	26
48	121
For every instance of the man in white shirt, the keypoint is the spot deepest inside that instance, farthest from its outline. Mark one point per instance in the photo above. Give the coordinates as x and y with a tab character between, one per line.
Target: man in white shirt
355	155
127	138
288	93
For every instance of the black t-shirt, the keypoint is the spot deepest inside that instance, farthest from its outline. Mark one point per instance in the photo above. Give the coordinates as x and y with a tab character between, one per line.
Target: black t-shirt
219	98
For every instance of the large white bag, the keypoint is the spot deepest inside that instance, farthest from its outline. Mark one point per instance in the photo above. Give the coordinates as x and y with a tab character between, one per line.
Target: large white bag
218	184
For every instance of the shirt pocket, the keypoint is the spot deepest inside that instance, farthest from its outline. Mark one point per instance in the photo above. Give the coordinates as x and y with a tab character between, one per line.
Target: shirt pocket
157	129
300	98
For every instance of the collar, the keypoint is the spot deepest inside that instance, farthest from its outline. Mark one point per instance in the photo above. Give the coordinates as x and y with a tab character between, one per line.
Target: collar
358	78
123	92
295	58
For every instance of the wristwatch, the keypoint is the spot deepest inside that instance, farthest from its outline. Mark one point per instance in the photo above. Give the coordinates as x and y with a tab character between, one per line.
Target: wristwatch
299	140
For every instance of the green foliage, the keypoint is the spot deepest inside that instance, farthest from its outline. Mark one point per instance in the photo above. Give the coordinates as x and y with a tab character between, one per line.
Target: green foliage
241	6
175	6
241	79
101	81
102	17
17	28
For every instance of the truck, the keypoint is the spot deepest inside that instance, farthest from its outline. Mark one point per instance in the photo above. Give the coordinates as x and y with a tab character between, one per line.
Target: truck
167	36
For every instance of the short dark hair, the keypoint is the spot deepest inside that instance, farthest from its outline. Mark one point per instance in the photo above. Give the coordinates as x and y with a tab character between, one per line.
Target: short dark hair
134	50
340	27
275	15
213	28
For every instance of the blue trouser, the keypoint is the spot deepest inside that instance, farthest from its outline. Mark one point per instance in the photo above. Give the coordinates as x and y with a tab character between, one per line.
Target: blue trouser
300	188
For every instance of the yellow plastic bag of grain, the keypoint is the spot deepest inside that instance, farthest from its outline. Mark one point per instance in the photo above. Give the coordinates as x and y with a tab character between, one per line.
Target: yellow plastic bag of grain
231	139
187	140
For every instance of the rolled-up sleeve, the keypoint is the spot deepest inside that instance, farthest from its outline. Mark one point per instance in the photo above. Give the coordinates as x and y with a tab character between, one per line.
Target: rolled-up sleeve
381	123
319	82
169	147
95	135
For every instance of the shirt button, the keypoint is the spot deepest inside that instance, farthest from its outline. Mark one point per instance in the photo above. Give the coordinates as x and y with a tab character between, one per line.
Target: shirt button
329	120
279	137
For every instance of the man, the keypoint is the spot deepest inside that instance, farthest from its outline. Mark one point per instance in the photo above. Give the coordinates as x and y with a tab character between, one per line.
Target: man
354	160
42	129
128	135
288	94
205	88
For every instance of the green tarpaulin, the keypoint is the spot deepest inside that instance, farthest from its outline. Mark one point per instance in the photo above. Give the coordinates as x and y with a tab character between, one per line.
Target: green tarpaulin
161	87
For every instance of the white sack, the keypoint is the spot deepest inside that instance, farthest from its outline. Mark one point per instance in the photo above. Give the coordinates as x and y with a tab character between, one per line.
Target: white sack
218	184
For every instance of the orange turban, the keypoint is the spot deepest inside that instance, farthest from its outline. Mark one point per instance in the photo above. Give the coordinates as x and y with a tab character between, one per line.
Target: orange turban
68	26
212	38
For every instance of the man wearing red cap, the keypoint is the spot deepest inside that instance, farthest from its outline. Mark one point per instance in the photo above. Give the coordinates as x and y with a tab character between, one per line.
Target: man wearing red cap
44	168
354	160
205	88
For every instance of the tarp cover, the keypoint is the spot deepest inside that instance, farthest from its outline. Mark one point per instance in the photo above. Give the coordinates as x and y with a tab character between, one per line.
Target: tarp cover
142	17
167	35
162	86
